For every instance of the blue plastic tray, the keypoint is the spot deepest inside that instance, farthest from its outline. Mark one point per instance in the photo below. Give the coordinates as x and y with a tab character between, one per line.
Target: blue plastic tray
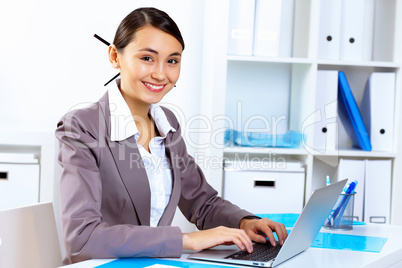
291	139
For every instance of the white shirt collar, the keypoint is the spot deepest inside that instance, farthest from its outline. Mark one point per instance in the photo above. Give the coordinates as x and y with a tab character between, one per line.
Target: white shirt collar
122	125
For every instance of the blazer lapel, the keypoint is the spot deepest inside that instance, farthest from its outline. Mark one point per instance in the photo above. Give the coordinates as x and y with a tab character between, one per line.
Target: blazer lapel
170	210
129	164
132	172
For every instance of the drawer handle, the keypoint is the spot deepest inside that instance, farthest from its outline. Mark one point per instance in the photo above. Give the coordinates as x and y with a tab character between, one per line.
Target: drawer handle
264	182
378	219
3	175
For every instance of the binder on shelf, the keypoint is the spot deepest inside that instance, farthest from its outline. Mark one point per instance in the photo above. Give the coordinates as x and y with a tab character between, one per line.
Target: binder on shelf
352	30
368	30
273	28
385	21
325	129
330	29
286	31
377	191
350	115
267	28
354	170
241	27
377	109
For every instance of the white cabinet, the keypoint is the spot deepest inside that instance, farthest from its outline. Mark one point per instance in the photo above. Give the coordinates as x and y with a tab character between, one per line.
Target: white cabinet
280	92
19	180
262	189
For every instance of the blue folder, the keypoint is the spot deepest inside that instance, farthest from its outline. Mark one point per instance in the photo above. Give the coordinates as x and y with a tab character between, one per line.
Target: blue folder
289	219
147	262
350	115
333	240
349	242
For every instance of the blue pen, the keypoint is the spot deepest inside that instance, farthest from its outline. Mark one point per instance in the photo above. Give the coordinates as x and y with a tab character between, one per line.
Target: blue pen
340	202
342	206
350	188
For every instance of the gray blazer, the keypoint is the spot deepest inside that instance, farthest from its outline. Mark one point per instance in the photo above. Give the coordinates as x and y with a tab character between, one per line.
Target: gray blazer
105	195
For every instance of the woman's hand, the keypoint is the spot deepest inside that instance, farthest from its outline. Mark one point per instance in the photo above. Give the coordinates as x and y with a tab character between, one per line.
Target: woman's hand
217	236
253	227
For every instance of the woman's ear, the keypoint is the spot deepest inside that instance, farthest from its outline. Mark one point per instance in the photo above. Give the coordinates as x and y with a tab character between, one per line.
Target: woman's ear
113	56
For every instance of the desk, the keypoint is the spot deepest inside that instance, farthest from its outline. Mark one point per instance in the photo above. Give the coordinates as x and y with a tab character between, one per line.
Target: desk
390	255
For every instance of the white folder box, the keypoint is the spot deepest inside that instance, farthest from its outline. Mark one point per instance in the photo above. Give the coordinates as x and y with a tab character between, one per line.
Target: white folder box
351	46
267	28
19	181
325	136
368	30
286	32
384	30
329	36
354	170
262	189
241	27
377	204
377	110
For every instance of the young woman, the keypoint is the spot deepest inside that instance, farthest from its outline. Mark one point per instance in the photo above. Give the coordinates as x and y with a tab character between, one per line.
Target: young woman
125	167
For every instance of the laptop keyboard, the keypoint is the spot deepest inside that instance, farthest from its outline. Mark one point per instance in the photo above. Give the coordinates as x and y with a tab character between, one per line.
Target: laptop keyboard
262	252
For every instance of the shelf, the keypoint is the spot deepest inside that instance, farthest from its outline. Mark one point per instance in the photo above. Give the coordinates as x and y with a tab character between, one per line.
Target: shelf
360	153
269	59
383	64
302	151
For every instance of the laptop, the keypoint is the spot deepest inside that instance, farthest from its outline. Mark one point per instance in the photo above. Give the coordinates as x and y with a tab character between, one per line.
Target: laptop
300	238
29	238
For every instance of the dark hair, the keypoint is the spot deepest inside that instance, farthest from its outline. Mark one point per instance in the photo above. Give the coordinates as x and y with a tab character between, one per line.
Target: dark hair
140	18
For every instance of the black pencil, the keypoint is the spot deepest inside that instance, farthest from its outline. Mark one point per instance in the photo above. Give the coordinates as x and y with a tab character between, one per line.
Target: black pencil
108	44
112	79
102	40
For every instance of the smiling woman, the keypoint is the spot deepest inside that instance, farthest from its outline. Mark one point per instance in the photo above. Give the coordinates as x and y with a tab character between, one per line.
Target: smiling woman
125	166
150	67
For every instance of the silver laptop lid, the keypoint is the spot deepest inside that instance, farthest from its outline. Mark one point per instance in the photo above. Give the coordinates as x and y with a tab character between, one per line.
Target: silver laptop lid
300	238
310	221
28	237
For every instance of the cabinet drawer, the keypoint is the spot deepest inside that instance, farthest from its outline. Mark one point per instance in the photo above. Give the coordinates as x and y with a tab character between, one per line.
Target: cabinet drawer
19	185
268	191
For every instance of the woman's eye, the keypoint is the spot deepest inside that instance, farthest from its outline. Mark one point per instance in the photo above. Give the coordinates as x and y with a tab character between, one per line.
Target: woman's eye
146	58
172	61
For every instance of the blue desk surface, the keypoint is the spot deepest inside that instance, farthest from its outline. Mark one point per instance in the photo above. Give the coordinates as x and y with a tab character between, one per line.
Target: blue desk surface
334	240
289	219
314	257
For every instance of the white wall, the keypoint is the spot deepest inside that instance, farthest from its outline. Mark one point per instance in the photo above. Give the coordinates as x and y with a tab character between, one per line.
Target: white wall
51	63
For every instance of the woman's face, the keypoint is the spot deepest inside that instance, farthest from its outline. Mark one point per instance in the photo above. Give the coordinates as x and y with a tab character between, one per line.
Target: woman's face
149	66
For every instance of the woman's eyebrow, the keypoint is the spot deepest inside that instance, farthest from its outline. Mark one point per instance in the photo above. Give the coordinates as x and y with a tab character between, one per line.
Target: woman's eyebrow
175	54
156	52
149	50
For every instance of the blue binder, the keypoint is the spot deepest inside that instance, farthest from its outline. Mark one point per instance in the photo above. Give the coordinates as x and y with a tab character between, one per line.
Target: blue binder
350	115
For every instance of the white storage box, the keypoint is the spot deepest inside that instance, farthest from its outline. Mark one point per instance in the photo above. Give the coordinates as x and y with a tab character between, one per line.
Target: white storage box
261	190
19	180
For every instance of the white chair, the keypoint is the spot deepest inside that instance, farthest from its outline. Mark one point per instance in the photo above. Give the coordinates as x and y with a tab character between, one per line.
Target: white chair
28	237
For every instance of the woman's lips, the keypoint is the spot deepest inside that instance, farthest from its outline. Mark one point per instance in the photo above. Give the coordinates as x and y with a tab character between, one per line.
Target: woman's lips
154	87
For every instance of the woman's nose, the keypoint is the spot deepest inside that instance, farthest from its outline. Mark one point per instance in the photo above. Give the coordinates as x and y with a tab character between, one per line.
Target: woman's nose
158	72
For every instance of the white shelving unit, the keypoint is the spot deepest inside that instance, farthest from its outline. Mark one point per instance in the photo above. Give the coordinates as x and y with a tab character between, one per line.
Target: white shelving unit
225	78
